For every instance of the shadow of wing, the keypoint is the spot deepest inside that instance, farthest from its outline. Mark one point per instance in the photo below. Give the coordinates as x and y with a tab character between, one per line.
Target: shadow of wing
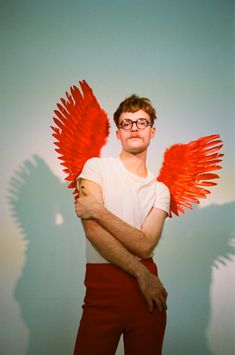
49	290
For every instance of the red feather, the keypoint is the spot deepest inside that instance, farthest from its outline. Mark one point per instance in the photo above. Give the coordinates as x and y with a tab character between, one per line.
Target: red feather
187	168
82	129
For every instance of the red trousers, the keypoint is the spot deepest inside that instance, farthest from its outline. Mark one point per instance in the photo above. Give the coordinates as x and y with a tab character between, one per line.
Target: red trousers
114	305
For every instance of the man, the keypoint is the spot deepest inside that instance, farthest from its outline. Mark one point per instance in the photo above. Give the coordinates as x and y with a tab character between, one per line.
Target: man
123	210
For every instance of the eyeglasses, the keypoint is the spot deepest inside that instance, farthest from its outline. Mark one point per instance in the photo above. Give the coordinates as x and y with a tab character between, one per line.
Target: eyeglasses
141	123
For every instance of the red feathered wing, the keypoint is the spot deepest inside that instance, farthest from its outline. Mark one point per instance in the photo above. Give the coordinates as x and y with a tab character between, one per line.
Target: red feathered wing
188	168
81	130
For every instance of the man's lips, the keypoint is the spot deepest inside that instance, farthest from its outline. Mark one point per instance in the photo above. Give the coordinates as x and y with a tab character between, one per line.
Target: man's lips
131	137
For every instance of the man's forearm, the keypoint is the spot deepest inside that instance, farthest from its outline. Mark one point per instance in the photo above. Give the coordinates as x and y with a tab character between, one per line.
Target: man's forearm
139	242
135	240
112	250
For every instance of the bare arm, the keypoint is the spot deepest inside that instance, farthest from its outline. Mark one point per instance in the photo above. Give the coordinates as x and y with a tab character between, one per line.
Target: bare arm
139	242
112	250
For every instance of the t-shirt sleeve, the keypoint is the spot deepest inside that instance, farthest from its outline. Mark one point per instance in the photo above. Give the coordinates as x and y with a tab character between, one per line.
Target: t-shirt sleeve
91	171
162	199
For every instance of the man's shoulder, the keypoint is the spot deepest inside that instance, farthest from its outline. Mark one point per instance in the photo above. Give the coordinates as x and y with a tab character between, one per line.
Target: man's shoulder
100	162
161	187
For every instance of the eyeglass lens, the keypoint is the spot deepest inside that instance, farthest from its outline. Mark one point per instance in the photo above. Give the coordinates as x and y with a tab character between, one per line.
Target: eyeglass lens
141	123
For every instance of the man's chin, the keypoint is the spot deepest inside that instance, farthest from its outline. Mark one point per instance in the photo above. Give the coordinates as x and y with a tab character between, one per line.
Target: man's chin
136	150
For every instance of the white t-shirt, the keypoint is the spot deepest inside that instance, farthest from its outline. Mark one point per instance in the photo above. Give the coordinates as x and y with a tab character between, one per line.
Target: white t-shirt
128	196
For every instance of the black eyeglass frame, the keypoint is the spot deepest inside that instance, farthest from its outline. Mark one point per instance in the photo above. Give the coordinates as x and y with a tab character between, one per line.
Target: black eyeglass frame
127	120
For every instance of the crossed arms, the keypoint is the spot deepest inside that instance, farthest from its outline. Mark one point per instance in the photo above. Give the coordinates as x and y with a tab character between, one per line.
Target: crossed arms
121	243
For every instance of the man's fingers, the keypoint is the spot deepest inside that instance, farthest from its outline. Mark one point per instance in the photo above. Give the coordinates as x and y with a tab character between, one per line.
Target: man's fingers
158	304
164	293
163	302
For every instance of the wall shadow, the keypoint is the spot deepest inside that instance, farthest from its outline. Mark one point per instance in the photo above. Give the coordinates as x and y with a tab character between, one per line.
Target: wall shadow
191	246
50	290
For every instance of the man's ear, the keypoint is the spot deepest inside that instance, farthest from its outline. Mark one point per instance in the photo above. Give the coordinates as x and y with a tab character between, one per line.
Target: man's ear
117	134
153	132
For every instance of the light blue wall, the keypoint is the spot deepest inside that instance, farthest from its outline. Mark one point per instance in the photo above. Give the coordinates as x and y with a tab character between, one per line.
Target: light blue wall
178	53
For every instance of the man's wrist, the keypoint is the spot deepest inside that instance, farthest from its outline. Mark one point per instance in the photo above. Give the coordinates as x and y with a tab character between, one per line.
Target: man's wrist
98	211
141	271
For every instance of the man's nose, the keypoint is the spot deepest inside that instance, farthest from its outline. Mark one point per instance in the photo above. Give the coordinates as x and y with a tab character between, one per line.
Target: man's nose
134	126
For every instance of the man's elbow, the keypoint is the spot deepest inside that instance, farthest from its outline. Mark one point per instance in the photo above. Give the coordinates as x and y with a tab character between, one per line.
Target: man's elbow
90	229
147	249
145	252
89	235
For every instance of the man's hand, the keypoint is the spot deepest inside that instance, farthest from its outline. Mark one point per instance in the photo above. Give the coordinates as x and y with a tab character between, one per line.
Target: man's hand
153	290
86	205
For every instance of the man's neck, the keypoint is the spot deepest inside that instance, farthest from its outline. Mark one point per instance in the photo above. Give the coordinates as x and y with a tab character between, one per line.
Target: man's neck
135	163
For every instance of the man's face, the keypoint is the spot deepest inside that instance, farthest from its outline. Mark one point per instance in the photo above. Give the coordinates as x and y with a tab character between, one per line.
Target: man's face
135	140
